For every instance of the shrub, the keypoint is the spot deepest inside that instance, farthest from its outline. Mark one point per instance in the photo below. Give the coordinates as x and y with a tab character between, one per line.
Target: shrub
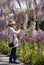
27	53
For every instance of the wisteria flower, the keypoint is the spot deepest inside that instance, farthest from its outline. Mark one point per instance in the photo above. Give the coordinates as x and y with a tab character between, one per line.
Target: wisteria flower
39	36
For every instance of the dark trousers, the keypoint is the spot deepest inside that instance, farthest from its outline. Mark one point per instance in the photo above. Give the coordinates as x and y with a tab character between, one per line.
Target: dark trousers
13	55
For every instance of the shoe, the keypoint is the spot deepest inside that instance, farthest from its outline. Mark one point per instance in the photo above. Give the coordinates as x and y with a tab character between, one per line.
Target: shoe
16	62
10	62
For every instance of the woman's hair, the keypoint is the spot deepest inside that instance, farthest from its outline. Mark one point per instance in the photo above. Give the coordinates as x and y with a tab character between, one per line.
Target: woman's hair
10	25
10	22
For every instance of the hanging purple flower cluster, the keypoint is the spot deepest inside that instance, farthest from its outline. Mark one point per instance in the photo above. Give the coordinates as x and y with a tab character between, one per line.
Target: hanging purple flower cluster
1	36
39	38
39	10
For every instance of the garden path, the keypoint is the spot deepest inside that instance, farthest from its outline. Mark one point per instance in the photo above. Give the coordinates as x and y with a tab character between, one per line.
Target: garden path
4	60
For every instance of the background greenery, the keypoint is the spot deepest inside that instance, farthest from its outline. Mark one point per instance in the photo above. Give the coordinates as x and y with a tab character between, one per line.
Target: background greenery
25	52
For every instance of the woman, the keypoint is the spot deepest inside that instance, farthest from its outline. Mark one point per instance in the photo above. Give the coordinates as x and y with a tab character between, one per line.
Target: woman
13	38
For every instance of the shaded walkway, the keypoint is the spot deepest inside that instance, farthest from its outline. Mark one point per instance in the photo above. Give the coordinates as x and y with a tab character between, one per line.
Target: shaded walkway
5	60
